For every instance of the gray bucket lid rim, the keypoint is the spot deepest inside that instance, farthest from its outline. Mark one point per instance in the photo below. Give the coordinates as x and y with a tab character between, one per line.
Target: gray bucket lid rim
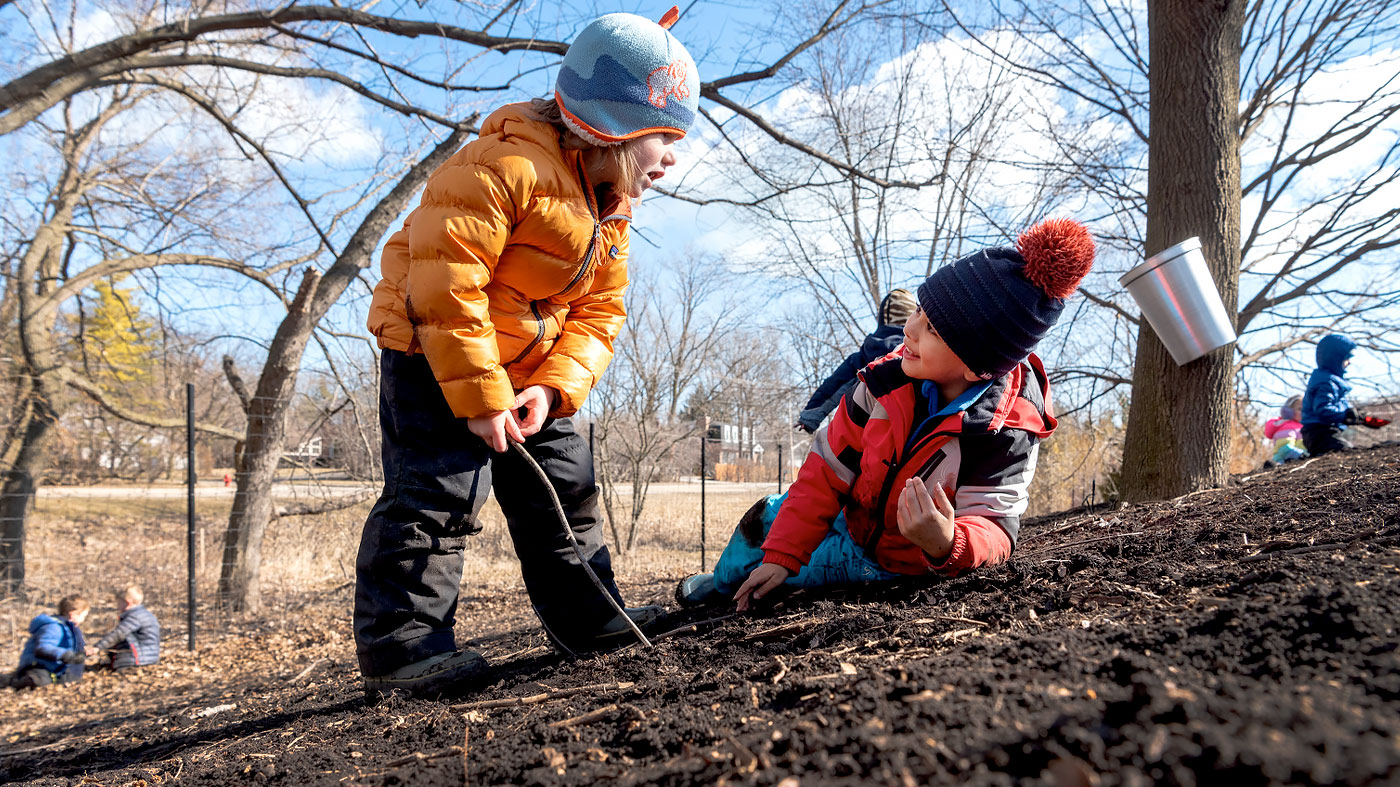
1159	259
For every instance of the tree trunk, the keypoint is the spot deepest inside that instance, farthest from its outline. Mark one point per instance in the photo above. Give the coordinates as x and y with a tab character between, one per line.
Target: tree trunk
239	576
17	494
253	505
1178	433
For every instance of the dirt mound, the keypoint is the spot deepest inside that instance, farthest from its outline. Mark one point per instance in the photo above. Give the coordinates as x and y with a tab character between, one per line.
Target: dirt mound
1243	635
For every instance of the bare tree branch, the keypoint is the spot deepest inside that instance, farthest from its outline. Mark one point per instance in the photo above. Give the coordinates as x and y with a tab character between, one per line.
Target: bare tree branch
94	391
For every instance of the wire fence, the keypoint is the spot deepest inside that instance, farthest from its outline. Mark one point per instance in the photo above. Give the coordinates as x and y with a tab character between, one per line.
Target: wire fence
110	503
99	502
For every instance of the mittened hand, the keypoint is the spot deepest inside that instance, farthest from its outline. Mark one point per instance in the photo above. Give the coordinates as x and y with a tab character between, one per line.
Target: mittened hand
1373	422
71	657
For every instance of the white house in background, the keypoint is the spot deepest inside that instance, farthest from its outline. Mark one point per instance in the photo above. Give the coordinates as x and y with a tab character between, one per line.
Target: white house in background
308	450
730	444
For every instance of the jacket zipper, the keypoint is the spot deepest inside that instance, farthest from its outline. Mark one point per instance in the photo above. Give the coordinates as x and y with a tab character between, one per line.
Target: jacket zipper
887	488
587	263
539	334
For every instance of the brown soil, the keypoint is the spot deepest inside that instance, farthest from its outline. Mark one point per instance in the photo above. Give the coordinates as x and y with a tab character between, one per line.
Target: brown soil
1242	636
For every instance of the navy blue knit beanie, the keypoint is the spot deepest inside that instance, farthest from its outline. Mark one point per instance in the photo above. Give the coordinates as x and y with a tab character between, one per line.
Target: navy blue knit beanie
991	308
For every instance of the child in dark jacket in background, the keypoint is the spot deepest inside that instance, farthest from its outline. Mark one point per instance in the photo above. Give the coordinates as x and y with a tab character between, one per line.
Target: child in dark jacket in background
54	651
135	642
894	310
925	466
1326	411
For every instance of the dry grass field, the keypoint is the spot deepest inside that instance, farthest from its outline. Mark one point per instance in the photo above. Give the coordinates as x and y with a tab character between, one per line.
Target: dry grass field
93	544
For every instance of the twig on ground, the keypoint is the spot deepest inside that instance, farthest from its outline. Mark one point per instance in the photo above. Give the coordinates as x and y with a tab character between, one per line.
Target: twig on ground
521	652
1304	464
1077	522
782	669
419	756
300	676
587	718
1085	541
466	747
956	633
693	627
795	627
535	699
949	618
1255	558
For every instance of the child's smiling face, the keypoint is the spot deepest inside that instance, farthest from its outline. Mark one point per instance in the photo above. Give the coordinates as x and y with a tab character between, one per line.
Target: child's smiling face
927	357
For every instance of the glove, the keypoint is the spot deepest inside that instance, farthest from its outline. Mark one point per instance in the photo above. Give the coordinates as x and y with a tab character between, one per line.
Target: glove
1350	418
72	657
809	420
1373	422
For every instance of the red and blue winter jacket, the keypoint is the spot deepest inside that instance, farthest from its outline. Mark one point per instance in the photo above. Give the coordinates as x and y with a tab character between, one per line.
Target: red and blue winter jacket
984	456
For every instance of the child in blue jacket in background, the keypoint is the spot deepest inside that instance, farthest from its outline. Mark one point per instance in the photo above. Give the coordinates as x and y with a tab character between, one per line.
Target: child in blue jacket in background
888	335
1326	411
54	652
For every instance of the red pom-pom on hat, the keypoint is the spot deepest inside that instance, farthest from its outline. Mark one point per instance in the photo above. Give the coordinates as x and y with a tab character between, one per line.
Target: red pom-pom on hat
1058	255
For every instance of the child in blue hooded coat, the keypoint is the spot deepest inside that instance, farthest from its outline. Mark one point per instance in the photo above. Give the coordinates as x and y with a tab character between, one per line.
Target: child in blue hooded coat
1326	411
54	651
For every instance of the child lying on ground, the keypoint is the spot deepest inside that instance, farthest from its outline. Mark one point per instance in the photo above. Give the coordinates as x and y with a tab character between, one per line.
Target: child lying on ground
925	466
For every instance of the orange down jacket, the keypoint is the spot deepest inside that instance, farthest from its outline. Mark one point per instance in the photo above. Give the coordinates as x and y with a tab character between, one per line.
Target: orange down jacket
507	274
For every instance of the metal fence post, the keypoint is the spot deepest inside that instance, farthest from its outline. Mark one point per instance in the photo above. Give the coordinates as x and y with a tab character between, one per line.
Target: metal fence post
189	506
703	440
780	467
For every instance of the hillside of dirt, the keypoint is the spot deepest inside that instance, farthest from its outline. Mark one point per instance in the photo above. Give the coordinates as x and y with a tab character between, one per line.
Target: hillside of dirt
1244	635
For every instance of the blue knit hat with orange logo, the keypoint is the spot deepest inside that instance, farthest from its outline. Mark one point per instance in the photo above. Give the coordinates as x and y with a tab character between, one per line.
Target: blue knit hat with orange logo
626	76
991	308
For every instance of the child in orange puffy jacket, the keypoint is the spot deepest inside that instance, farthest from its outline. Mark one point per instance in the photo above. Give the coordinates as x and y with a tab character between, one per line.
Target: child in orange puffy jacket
501	298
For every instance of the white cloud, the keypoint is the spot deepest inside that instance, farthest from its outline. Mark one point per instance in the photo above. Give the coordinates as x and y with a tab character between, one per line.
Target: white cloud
906	112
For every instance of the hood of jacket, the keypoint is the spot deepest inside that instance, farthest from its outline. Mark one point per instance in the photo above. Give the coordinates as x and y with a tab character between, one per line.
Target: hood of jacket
1332	351
883	341
42	620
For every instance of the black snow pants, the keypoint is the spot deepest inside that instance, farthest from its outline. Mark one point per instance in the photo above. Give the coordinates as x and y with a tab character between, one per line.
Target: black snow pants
436	477
1322	439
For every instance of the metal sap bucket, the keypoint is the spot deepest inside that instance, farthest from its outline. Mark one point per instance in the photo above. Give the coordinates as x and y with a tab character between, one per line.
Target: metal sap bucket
1179	299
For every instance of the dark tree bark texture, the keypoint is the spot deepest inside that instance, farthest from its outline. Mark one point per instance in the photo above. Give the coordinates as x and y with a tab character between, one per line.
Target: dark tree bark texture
1178	434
